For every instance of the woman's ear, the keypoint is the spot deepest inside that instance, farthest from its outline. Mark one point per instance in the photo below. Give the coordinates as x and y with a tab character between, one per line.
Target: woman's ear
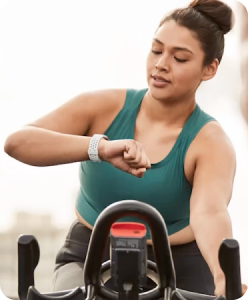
210	70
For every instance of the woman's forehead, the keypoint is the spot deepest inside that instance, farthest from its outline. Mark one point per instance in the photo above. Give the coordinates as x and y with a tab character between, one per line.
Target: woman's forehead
172	35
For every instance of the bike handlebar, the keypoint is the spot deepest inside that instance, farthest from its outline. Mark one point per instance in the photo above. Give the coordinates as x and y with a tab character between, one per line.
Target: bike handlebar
161	248
229	258
28	257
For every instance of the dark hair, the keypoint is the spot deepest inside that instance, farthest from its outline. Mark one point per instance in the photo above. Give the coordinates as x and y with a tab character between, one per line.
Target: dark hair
208	20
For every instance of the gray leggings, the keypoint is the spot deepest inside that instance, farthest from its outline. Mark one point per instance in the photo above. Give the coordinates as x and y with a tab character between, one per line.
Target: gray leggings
192	272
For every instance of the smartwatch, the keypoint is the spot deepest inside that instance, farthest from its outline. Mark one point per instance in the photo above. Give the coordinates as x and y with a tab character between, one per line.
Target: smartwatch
93	147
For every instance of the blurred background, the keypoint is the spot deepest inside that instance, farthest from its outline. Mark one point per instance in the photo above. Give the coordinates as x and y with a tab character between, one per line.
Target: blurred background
52	50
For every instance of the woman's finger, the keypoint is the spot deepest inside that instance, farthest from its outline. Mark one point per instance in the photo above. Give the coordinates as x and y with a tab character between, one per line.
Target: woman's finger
137	172
131	151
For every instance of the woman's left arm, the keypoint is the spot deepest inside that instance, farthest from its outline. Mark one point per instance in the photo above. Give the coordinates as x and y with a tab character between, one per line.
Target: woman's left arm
211	194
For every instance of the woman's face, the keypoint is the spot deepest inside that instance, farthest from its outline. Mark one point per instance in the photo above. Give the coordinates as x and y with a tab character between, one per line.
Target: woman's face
175	63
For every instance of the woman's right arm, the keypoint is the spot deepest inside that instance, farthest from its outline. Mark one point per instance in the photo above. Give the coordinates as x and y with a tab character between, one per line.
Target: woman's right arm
59	137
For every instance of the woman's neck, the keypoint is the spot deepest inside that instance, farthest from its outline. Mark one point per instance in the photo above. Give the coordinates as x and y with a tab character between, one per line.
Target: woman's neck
171	113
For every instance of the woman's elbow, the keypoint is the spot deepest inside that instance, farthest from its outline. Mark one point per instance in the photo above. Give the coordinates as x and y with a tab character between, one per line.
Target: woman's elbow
13	143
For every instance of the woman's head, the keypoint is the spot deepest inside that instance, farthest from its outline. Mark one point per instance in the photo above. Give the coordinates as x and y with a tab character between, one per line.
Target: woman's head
187	48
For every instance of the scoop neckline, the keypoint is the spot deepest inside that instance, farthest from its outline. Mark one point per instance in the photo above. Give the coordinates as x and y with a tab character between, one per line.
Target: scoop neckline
177	142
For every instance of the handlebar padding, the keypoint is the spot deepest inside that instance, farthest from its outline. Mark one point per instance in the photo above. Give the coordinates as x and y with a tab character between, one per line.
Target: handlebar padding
28	258
229	258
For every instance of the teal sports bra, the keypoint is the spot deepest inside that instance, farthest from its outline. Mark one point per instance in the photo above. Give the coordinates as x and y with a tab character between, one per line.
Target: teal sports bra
164	186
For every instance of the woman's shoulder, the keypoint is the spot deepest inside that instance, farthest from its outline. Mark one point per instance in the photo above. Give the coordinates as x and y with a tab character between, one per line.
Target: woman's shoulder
212	137
105	106
116	97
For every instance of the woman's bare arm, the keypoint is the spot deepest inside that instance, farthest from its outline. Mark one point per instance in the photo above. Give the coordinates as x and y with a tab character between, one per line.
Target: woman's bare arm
212	192
41	147
58	137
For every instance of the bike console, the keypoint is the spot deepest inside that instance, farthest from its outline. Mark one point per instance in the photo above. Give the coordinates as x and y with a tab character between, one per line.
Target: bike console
128	258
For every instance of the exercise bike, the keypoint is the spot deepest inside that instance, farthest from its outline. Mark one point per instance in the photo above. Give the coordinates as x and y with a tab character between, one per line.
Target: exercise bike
128	265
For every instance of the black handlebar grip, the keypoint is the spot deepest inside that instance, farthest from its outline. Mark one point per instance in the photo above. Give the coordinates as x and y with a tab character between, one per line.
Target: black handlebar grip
100	233
229	258
28	258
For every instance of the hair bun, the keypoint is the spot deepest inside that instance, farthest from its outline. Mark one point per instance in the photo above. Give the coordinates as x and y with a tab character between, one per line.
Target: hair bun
217	11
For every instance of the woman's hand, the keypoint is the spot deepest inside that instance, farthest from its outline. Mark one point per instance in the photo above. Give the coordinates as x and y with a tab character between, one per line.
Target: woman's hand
220	287
126	155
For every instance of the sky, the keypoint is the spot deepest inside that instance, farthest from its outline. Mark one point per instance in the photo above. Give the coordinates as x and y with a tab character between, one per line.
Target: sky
52	50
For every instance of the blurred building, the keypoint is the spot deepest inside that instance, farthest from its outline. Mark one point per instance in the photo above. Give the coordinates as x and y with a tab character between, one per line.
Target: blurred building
50	239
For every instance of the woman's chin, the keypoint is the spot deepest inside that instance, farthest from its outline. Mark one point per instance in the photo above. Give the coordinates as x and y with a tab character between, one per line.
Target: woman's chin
160	94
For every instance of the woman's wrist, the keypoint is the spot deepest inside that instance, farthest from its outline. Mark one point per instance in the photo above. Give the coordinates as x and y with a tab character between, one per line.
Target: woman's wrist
101	148
219	276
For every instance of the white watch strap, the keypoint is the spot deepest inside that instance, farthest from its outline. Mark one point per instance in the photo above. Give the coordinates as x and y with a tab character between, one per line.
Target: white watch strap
93	147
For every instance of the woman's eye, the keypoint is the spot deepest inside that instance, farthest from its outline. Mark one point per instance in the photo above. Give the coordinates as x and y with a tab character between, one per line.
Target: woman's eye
156	52
180	60
177	59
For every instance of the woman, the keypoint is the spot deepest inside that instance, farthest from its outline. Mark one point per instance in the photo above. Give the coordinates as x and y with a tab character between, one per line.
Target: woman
159	147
